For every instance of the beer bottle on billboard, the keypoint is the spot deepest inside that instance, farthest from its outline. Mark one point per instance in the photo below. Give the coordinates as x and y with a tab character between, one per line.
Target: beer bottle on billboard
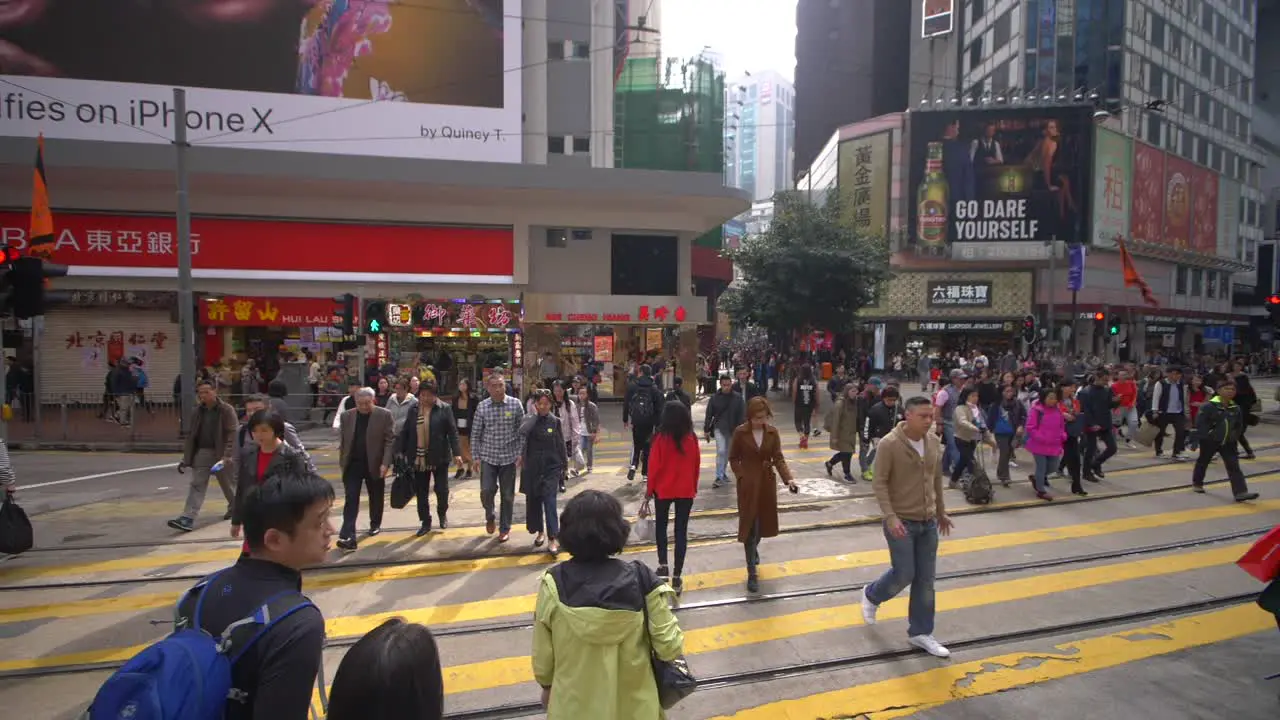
933	203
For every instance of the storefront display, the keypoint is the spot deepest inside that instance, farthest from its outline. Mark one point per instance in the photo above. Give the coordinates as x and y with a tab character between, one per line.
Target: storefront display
458	338
233	329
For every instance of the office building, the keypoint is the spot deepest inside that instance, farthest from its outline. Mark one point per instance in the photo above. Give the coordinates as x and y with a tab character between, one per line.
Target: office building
759	131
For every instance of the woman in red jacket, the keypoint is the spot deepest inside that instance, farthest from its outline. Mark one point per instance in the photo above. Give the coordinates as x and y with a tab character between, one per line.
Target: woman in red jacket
674	464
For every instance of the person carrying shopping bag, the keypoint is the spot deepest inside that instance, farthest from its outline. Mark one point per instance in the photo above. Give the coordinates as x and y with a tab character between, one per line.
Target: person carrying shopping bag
674	464
1007	420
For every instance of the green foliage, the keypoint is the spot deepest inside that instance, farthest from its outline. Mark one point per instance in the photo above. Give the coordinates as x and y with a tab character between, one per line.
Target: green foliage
808	271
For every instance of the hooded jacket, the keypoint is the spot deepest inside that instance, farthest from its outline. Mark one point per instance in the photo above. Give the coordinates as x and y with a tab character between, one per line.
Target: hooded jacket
881	420
589	640
1219	422
1046	430
644	384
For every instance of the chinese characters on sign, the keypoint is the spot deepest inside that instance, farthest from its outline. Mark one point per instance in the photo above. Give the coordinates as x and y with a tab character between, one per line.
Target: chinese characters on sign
235	311
960	327
442	314
863	182
645	313
945	293
1113	156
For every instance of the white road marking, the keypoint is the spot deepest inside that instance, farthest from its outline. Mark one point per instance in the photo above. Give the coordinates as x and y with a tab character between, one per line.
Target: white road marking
97	476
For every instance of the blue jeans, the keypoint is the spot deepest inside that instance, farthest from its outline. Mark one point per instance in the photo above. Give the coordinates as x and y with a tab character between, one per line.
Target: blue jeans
536	508
722	455
914	563
950	453
1045	464
588	449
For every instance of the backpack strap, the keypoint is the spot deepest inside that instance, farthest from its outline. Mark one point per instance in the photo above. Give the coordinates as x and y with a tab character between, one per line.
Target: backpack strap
188	616
241	635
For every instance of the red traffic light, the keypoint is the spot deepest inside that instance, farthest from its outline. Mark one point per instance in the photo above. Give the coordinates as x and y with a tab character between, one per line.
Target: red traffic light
1029	322
1273	300
8	255
1099	316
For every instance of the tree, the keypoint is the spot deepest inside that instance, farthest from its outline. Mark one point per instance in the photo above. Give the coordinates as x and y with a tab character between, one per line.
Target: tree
808	271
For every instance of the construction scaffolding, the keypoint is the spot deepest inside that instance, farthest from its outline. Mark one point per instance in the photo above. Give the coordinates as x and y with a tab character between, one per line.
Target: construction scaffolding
669	115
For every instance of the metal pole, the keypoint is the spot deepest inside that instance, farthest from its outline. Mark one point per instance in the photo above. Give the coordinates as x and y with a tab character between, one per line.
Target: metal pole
1053	272
186	300
1075	313
37	387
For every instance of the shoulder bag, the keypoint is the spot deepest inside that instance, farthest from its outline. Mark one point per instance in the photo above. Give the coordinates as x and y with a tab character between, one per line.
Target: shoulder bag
675	681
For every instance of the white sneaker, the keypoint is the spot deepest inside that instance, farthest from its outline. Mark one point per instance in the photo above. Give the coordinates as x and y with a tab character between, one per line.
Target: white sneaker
868	608
929	645
1013	465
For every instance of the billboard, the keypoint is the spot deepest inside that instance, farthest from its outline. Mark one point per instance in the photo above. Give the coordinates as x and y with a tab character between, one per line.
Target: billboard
1112	178
358	77
1175	202
938	18
862	179
998	183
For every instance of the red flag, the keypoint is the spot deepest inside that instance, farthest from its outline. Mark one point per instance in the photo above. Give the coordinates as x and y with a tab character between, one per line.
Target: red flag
40	239
1132	278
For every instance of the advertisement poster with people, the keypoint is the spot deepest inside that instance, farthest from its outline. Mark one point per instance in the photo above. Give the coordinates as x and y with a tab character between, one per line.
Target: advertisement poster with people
367	77
999	176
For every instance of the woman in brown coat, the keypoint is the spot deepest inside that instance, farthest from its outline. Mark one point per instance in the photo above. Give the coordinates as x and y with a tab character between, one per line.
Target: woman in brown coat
755	453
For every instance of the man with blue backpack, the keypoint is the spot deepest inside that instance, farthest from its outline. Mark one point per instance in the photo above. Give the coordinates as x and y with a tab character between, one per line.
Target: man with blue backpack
247	643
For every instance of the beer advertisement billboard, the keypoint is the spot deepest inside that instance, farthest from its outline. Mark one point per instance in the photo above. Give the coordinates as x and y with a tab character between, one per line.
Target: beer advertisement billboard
999	183
1112	176
863	182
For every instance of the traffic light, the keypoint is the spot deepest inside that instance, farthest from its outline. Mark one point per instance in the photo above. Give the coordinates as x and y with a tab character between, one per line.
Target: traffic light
344	314
375	317
1273	307
26	278
1029	329
7	256
1113	326
1099	317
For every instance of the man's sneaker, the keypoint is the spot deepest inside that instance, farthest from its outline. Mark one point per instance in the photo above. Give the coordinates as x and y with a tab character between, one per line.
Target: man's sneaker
1179	457
374	532
828	466
1013	465
868	476
717	483
1197	489
631	474
1246	497
347	544
850	479
1129	445
185	524
929	645
1097	471
868	608
1159	454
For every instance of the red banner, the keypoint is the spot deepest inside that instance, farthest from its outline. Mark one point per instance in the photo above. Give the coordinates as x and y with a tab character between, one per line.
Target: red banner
144	246
1147	208
1177	201
1204	210
266	312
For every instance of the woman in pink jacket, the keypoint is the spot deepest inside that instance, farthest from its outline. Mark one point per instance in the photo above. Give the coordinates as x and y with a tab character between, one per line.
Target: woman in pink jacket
1046	433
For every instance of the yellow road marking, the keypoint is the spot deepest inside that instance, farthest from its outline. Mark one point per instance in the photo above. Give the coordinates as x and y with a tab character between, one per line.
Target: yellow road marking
910	694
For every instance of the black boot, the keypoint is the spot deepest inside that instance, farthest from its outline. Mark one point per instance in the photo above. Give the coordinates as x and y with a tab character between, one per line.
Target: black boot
443	522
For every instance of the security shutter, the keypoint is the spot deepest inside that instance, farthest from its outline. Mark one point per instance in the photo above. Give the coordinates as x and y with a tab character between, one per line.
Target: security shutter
77	342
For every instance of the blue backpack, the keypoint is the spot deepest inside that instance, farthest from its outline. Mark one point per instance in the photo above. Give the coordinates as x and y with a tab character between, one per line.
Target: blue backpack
187	675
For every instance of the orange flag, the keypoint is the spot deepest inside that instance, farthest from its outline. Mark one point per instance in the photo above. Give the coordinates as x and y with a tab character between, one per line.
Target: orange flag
40	239
1132	278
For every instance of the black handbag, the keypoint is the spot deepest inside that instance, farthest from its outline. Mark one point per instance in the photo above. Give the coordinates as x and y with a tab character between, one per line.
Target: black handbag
16	535
402	485
675	681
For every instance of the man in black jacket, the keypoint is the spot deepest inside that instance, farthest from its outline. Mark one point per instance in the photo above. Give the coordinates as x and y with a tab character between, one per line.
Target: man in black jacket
640	413
1096	402
725	412
1218	427
678	394
287	527
882	418
744	387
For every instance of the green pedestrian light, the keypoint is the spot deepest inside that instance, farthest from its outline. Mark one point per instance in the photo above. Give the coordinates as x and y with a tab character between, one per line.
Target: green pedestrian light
375	326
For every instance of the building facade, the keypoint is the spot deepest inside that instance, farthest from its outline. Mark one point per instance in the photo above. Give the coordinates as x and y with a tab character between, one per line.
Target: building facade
852	63
473	211
759	133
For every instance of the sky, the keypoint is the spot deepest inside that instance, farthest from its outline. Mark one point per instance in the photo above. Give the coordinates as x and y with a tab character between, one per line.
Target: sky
750	35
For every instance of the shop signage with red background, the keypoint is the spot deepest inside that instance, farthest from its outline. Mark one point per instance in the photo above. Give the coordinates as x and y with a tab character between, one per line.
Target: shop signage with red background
1175	201
446	314
644	313
236	311
1147	209
144	246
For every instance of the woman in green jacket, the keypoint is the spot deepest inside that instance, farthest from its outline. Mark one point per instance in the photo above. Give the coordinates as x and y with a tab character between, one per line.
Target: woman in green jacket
590	645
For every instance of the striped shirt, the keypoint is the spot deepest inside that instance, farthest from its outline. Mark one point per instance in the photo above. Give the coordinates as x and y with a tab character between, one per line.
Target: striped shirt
495	431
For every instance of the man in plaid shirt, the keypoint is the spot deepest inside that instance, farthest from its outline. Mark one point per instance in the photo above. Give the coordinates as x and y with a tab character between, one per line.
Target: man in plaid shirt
498	448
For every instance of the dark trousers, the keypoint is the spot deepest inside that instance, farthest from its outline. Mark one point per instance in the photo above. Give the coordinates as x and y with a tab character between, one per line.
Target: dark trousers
1071	460
1179	423
804	419
641	436
354	476
1230	460
662	509
844	459
966	448
422	487
1244	442
1091	457
752	548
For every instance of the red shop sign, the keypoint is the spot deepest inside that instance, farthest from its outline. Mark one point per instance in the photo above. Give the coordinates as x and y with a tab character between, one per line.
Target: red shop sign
144	246
266	312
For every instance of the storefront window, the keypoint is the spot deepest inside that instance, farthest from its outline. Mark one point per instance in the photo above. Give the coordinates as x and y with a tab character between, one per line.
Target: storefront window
456	339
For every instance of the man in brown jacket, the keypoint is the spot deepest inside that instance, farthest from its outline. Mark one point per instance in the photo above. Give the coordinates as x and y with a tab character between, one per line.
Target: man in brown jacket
364	454
908	485
212	440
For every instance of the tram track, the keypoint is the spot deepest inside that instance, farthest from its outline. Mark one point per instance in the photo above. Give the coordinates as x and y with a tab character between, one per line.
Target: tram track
683	608
192	578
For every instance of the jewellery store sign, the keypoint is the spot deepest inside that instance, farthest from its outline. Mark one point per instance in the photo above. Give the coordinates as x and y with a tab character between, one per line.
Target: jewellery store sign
952	294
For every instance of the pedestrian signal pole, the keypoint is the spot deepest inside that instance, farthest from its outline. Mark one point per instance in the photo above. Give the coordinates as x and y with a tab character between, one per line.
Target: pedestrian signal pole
186	298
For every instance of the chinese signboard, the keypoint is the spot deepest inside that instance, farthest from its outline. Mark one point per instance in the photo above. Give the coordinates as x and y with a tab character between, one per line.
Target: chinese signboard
357	72
863	182
1111	187
236	311
938	18
613	309
1000	177
449	315
946	293
144	246
959	326
399	315
1175	201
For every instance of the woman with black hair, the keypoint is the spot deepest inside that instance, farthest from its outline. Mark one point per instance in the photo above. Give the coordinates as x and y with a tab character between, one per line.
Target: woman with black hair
1247	399
805	396
268	456
392	673
545	462
674	464
564	408
598	596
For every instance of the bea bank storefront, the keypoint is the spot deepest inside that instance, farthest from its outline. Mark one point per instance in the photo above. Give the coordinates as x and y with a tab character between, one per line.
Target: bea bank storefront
615	330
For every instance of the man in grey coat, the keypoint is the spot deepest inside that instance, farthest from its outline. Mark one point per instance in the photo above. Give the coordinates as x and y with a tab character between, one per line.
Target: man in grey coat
364	453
